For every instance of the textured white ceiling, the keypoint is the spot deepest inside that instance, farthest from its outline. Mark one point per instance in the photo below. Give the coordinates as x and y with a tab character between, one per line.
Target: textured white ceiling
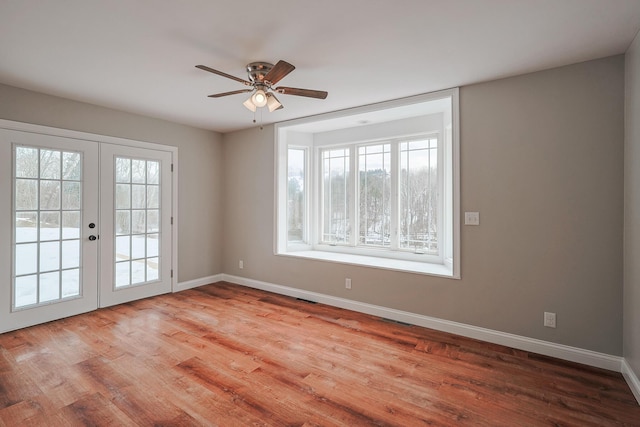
139	55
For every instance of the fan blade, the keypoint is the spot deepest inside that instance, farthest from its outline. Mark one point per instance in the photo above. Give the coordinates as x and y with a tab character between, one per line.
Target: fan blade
278	72
233	92
220	73
302	92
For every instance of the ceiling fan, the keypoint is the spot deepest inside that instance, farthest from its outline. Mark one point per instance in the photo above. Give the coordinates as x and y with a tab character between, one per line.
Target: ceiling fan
262	77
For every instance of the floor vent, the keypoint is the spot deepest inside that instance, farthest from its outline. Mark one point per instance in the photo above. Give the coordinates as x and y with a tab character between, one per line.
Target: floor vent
306	300
397	322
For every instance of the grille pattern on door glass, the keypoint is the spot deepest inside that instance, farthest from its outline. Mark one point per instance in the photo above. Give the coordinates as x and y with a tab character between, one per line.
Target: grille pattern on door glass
47	214
137	221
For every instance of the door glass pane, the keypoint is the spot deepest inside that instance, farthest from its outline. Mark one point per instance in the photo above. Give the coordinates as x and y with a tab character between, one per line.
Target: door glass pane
49	195
123	248
153	196
137	221
47	218
50	164
123	170
70	254
26	194
152	245
50	225
123	196
123	277
153	173
27	163
26	258
26	227
70	195
71	166
49	286
123	222
70	224
26	290
138	271
49	256
138	171
70	283
152	269
138	249
138	196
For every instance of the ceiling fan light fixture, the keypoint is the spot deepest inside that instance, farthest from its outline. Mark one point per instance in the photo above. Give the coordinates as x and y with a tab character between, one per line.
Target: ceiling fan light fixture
259	98
272	102
262	77
249	104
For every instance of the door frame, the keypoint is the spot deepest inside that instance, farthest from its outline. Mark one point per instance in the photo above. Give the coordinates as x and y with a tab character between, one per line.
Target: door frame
5	229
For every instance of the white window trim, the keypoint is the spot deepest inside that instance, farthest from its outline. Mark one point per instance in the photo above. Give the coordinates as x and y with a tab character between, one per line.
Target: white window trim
448	265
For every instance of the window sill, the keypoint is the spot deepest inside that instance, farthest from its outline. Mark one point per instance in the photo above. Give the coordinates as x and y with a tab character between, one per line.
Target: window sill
415	267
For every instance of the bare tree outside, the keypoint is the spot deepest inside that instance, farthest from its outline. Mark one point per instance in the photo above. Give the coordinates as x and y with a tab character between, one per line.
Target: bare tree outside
417	193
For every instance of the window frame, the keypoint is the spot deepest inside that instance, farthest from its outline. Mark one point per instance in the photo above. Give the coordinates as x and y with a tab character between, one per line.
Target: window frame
287	135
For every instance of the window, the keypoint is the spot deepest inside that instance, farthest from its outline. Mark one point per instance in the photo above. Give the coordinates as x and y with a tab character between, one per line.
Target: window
295	195
373	186
336	222
374	195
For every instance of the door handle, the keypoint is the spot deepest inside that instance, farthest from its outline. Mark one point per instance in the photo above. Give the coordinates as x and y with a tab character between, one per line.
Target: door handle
92	237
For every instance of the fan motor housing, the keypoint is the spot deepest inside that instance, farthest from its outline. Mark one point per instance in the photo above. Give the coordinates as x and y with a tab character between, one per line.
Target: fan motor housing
258	70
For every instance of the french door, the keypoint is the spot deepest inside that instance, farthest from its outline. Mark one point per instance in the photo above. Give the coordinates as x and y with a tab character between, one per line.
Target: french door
82	225
136	248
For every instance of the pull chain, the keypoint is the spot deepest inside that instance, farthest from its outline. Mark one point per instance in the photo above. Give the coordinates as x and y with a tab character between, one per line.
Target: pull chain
254	118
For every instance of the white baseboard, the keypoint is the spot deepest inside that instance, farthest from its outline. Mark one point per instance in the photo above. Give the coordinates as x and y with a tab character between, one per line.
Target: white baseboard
573	354
181	286
632	379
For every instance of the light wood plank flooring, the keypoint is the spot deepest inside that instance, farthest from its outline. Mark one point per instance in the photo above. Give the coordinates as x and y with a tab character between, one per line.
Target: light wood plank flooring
231	356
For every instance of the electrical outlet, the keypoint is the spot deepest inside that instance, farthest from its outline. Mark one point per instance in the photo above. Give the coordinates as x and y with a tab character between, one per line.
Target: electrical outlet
347	283
549	320
240	264
472	218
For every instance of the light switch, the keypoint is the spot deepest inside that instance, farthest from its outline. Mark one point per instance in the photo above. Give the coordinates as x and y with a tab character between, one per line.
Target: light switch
472	218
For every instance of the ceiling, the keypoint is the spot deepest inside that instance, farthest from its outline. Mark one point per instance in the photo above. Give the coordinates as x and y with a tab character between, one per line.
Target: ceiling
140	55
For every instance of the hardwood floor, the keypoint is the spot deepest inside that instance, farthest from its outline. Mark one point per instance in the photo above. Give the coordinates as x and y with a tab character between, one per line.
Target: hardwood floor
232	356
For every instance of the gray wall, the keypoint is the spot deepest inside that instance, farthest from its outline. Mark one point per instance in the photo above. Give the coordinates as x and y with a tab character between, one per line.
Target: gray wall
199	154
631	326
542	161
